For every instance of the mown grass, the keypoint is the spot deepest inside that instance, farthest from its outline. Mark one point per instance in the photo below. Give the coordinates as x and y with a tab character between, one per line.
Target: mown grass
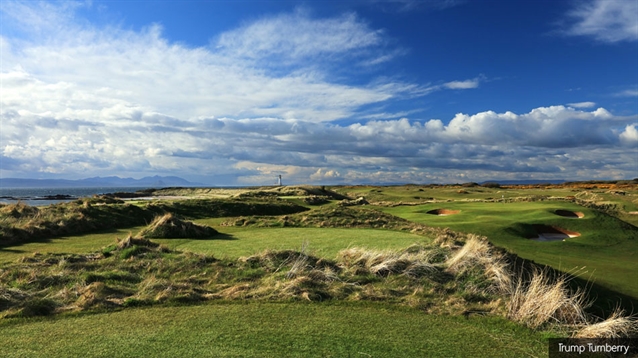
325	242
269	330
233	242
75	244
607	246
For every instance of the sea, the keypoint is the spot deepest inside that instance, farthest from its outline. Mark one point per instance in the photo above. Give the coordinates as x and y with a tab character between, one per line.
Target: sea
42	196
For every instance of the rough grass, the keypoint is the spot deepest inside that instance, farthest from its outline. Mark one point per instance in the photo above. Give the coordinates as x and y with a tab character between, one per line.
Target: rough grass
617	325
477	253
414	262
347	217
20	223
438	280
543	299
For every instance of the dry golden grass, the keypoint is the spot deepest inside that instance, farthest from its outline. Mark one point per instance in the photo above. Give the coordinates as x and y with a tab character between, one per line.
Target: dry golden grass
384	263
545	300
19	210
618	325
477	252
239	291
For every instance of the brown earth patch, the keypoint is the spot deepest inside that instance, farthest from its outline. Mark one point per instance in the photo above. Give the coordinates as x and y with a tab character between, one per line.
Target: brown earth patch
553	233
570	214
443	212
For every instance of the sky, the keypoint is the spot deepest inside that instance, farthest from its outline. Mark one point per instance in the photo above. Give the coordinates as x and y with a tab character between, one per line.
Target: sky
320	92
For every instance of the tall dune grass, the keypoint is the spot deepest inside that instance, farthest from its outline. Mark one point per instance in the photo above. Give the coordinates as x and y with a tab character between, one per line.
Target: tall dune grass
543	299
617	325
477	253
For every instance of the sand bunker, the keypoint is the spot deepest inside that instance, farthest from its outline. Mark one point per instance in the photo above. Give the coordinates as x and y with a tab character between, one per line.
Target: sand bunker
570	214
443	212
553	233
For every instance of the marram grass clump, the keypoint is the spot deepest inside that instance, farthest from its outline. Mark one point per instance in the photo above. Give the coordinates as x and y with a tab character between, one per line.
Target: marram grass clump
478	255
170	226
543	299
617	325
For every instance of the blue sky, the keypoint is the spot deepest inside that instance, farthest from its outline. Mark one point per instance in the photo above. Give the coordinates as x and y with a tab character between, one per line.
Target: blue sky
322	92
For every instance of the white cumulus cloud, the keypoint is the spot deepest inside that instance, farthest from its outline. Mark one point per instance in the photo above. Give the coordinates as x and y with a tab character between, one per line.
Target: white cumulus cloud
629	137
112	101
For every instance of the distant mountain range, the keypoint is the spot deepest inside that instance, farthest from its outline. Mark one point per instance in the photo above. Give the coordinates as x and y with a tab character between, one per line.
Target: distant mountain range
113	181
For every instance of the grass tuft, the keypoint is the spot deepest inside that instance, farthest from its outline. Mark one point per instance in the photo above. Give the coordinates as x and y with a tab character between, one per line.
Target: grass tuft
478	254
411	263
543	300
618	325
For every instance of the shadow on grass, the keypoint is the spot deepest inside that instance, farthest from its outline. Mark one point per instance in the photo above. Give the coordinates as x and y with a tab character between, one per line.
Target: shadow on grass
4	245
218	236
12	250
221	236
523	230
44	240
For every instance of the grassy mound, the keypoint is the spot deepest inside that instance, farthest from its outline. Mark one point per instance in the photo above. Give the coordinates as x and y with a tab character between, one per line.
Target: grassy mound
348	217
170	226
22	223
215	208
300	190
